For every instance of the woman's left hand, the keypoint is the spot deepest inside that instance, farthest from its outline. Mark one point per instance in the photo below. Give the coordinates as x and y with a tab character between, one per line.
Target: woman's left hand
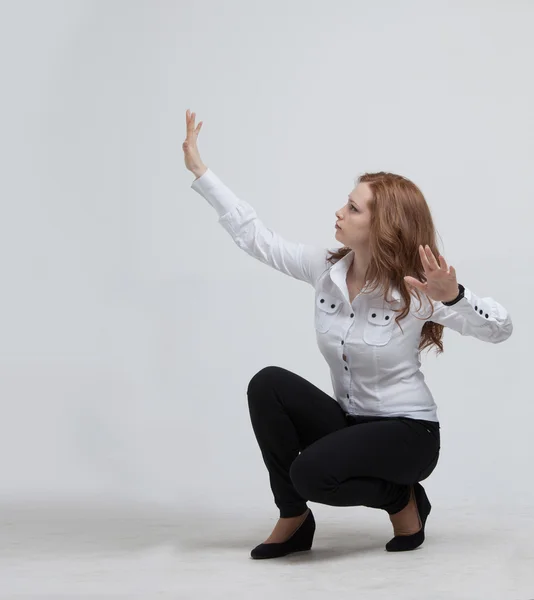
440	282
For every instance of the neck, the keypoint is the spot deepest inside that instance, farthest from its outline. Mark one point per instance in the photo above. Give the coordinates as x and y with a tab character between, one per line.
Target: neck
359	265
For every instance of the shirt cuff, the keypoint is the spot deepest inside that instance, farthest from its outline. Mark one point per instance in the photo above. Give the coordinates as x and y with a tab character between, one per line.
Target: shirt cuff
215	192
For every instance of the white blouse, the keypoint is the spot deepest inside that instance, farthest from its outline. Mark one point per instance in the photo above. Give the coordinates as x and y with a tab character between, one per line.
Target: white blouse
374	366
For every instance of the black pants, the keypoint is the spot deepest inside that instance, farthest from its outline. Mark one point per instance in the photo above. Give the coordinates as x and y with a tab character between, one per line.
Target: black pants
343	460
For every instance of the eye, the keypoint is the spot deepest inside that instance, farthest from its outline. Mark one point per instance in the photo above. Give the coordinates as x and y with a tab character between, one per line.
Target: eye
353	207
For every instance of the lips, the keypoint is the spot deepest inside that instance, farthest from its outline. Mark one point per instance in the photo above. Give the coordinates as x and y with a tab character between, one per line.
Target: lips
337	226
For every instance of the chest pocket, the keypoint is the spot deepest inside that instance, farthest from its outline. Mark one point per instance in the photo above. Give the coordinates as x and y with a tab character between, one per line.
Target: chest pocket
326	309
378	327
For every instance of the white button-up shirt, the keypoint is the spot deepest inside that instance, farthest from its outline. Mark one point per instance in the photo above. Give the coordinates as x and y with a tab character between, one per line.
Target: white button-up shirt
374	366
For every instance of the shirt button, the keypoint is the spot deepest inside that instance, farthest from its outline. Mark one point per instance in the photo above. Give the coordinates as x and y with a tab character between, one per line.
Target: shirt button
351	315
342	342
347	396
346	369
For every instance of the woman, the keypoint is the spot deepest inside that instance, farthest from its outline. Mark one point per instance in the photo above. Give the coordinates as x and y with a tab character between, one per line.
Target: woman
379	436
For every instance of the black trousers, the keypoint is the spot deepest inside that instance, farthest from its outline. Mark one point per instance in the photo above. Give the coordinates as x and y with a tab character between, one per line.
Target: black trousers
314	451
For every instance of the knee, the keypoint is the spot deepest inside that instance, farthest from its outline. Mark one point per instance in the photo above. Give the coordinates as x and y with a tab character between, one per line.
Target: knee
261	381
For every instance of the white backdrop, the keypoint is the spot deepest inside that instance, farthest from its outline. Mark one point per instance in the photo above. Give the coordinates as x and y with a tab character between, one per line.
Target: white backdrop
132	324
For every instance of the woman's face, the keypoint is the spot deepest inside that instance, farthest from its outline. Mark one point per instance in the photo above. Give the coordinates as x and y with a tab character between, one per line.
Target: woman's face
354	218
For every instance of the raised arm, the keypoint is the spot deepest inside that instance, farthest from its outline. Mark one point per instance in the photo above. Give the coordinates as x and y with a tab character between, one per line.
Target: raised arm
301	261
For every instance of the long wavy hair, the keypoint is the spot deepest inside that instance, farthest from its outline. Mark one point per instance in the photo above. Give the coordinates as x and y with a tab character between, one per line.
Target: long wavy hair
400	221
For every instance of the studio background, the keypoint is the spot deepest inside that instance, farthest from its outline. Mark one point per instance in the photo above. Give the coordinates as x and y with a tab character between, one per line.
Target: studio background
132	324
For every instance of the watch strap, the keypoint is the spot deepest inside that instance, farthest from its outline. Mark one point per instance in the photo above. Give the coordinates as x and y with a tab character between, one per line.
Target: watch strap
461	291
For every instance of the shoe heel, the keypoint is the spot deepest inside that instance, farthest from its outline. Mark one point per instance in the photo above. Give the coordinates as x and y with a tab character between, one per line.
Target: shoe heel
401	543
300	541
423	503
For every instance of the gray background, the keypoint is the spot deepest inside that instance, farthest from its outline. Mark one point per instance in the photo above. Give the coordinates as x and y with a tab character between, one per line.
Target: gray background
131	323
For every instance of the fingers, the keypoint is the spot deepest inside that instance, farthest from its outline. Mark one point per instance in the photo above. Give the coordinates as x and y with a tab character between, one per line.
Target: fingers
190	120
421	285
443	263
431	258
424	258
427	257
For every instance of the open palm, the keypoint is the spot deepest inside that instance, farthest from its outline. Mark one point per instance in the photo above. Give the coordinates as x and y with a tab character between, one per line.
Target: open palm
441	283
192	159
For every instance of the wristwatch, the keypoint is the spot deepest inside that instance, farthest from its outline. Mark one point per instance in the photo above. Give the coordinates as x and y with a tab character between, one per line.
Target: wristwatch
461	291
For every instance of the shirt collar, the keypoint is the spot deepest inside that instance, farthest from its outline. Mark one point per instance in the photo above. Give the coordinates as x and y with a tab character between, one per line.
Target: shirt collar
338	274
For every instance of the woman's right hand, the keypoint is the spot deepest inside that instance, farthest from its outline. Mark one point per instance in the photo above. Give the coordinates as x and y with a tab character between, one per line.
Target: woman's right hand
192	158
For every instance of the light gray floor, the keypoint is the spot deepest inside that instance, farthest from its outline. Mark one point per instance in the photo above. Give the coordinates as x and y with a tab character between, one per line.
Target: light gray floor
80	553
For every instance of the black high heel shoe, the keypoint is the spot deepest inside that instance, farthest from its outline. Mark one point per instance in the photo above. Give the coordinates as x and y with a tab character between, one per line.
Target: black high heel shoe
409	542
300	540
